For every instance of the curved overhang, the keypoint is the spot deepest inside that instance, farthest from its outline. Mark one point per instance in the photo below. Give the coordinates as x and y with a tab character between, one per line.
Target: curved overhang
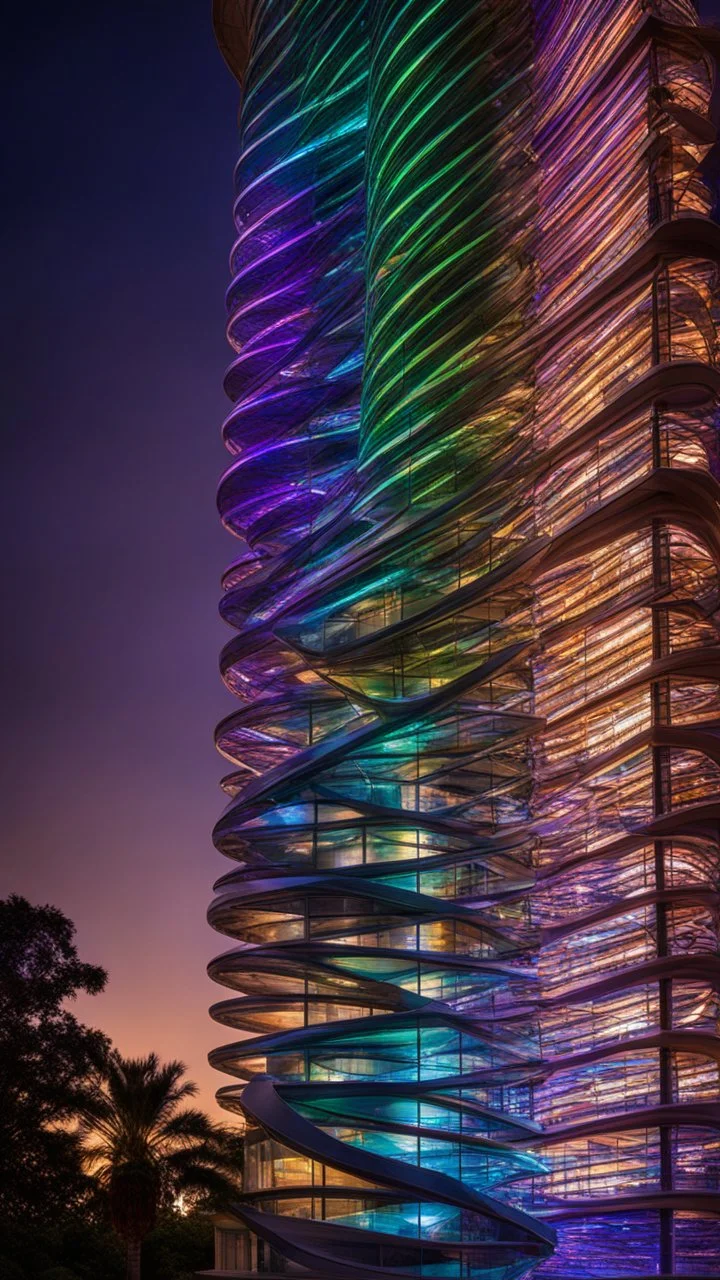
231	22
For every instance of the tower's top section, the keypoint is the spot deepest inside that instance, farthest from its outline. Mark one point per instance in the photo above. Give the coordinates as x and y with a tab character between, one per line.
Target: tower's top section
231	20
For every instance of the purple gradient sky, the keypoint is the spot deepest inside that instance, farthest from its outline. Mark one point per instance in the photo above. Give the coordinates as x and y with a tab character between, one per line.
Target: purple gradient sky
119	140
120	136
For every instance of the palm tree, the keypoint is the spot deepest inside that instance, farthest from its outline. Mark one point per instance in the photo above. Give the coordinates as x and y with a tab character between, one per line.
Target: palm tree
145	1149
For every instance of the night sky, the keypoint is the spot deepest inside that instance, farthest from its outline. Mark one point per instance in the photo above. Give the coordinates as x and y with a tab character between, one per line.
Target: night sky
119	141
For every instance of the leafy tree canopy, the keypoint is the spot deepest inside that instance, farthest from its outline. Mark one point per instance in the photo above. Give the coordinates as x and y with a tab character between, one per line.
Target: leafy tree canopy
47	1059
176	1249
89	1138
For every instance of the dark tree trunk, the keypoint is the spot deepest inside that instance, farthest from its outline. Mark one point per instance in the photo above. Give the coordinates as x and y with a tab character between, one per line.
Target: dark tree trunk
134	1193
133	1259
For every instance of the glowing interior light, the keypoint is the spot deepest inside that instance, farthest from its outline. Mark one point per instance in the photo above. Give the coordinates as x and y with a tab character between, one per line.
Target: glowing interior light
474	806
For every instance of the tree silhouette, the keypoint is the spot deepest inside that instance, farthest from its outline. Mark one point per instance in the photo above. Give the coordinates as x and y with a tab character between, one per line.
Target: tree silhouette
48	1061
146	1149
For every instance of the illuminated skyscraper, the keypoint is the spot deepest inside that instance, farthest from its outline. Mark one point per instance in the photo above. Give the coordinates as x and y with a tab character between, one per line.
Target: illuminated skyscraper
474	809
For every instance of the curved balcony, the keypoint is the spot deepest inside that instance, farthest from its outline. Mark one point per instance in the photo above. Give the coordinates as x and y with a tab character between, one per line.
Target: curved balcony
471	990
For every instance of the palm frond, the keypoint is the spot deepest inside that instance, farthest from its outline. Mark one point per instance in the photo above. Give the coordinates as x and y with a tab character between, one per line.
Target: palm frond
200	1178
134	1119
189	1123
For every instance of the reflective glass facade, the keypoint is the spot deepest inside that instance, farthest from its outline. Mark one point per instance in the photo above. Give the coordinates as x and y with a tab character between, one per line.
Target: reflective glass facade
473	814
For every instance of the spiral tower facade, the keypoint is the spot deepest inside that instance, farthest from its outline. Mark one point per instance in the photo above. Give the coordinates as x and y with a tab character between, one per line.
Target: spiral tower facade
474	808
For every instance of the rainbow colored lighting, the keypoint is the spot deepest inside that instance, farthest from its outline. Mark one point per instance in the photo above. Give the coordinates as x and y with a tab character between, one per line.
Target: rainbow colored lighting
474	812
